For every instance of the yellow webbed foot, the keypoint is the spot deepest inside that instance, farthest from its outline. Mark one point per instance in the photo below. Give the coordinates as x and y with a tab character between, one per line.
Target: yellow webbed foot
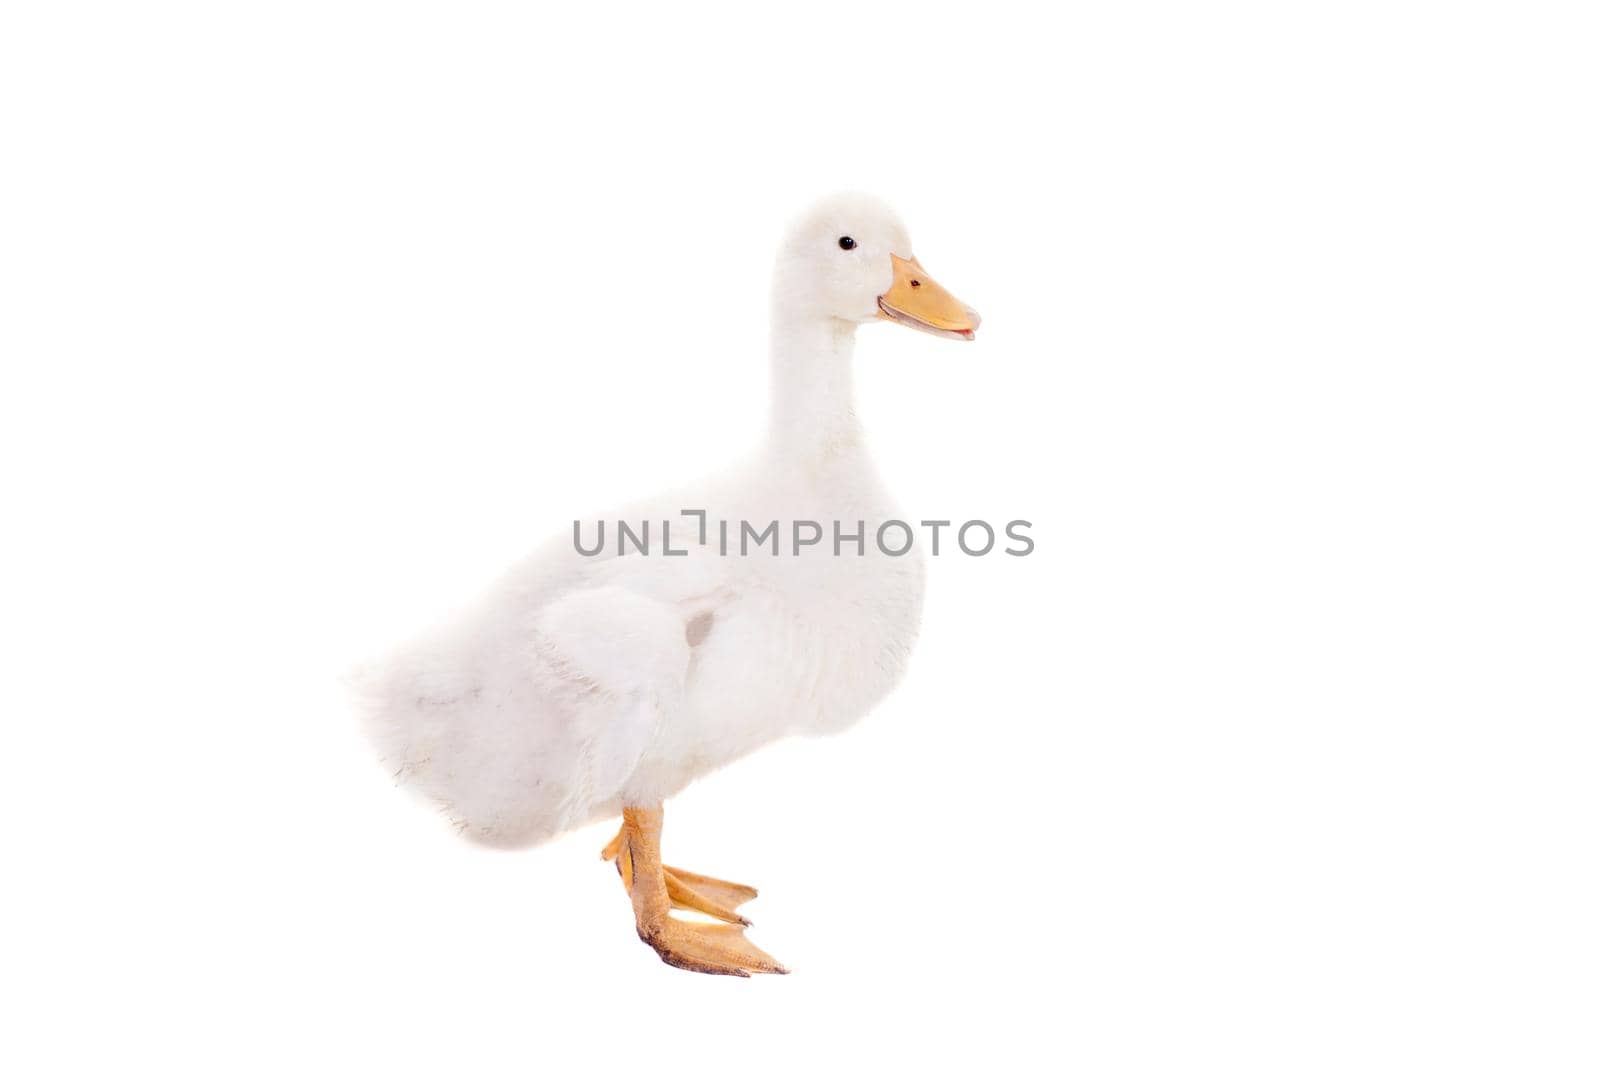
710	948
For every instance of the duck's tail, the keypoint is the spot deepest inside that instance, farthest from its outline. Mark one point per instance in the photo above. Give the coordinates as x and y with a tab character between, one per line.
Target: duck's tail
441	728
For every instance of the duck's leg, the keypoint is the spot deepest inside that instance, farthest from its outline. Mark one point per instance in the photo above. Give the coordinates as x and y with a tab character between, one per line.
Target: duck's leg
695	892
711	948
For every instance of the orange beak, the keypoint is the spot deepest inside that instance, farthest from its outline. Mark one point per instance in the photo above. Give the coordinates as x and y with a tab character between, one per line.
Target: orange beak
916	300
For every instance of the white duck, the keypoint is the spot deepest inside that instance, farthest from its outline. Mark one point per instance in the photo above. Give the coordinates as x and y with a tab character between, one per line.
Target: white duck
588	687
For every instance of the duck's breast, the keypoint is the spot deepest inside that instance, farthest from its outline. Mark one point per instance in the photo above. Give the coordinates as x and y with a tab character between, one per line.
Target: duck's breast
800	649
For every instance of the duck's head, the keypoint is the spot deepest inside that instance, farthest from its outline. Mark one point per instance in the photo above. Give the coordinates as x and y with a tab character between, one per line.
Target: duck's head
849	259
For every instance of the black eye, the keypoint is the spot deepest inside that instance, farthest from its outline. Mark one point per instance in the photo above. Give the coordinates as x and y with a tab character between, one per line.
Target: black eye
847	243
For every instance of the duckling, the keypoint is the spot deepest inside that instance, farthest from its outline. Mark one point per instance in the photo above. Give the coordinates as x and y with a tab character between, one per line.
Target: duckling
586	687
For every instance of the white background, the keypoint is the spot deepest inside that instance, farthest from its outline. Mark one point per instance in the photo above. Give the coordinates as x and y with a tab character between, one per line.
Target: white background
1280	749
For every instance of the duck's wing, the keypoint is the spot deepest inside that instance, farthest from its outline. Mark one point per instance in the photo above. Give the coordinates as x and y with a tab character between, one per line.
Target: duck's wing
624	657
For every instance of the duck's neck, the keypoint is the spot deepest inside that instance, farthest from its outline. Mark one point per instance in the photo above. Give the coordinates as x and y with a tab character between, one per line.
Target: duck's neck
813	418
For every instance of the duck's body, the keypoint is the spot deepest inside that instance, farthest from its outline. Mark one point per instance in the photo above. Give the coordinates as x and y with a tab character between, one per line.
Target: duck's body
586	687
582	685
